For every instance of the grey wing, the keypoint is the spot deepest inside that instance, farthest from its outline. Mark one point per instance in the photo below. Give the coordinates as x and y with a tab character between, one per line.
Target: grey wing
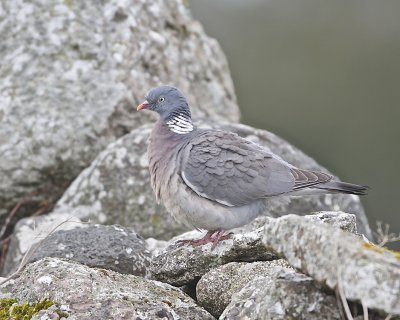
306	179
226	168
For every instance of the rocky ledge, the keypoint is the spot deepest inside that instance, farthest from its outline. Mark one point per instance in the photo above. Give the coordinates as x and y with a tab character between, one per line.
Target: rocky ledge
292	267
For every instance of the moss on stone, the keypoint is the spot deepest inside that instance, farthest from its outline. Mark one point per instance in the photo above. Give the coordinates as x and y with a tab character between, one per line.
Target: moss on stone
11	309
378	249
373	247
395	253
5	305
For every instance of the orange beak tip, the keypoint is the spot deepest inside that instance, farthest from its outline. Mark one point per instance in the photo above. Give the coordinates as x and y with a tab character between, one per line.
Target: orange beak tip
143	105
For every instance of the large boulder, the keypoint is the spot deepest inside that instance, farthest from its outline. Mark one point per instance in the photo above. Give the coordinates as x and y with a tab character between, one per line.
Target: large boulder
282	294
28	234
72	72
89	293
181	264
215	289
109	247
359	270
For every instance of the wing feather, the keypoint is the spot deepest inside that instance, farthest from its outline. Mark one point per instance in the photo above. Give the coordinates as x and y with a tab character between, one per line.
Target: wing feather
233	171
306	179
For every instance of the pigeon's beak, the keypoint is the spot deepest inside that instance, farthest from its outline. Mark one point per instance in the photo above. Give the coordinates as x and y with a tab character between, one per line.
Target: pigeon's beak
143	105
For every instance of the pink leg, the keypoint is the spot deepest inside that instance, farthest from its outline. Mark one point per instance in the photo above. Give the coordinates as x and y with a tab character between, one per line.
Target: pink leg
213	236
198	242
219	236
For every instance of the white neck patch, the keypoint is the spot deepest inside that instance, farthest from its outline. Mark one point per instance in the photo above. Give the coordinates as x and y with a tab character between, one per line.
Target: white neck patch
180	124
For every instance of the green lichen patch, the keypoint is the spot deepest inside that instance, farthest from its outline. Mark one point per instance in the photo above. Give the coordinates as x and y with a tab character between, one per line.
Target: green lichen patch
5	305
11	309
373	247
395	253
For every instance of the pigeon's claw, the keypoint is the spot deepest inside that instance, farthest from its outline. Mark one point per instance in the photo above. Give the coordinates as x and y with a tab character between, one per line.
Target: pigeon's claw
213	237
220	236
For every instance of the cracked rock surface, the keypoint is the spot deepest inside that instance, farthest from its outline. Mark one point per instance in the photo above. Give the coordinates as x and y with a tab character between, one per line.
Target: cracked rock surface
28	233
109	247
290	268
89	293
179	264
284	294
338	259
215	289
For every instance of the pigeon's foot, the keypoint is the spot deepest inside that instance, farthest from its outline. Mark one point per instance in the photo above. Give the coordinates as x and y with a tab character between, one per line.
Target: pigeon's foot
213	236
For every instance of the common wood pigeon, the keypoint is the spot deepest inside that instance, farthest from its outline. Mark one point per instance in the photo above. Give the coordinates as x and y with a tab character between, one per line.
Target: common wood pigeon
216	180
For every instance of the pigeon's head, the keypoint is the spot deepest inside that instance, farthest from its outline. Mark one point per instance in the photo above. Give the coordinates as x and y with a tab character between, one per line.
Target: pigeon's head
166	101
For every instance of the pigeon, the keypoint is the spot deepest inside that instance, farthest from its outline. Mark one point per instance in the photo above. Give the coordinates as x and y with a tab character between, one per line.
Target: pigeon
216	180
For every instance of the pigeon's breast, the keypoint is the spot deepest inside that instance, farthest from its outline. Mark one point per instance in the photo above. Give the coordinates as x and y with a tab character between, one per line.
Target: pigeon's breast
164	153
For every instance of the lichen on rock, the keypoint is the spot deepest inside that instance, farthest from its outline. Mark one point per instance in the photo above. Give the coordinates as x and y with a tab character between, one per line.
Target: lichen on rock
11	309
90	293
338	259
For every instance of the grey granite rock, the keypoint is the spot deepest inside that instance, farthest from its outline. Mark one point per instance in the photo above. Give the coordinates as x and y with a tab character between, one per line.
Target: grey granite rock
284	294
154	246
179	264
52	313
215	289
72	72
89	293
109	247
342	220
29	232
339	260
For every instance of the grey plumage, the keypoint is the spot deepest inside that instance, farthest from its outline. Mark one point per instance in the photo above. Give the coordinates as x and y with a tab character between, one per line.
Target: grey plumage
216	180
230	170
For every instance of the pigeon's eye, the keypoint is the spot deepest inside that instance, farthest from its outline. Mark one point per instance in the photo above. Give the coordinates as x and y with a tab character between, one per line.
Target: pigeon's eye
161	99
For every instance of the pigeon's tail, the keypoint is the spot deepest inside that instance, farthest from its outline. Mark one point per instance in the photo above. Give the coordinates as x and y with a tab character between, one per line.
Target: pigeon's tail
343	187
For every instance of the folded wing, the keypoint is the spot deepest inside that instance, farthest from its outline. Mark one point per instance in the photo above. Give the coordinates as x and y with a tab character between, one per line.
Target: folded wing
228	169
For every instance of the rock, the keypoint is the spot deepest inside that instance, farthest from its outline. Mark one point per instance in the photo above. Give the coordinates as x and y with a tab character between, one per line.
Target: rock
72	73
115	189
215	289
154	246
29	232
338	259
179	264
284	294
109	247
102	294
342	220
52	313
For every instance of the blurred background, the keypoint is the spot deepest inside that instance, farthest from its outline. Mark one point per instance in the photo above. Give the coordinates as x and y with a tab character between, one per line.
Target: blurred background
326	77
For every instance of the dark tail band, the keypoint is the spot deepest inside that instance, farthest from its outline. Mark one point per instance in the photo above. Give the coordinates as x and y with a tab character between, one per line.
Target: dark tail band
343	187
